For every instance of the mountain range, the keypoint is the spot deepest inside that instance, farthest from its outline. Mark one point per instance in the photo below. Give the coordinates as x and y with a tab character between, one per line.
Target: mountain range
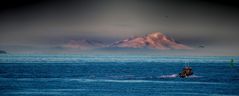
155	40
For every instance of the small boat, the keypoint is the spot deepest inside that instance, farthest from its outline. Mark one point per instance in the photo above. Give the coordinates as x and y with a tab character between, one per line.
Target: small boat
186	72
232	63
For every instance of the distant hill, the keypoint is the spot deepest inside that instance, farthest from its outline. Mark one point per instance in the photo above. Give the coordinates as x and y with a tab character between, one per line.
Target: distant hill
154	40
3	52
83	44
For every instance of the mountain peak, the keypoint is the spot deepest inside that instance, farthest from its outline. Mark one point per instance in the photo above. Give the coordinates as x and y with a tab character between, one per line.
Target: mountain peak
159	36
155	34
155	40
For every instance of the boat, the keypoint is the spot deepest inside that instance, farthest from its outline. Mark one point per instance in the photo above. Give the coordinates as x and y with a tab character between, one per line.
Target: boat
232	63
186	72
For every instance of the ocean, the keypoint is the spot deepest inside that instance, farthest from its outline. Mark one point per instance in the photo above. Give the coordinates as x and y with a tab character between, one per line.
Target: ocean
117	75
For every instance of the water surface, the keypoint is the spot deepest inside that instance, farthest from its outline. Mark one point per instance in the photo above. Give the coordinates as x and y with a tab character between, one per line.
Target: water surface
116	75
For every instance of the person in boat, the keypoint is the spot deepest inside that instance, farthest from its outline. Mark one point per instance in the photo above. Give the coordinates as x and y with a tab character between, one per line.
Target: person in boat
187	71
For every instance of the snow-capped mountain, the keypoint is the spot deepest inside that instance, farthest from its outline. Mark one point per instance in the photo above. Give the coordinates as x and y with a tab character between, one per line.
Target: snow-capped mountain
155	40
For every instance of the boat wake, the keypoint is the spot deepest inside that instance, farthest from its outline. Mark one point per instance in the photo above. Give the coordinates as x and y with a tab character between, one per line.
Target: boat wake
169	76
195	76
176	75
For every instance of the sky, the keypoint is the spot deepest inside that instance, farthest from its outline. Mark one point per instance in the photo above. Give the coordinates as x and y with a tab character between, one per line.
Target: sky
43	24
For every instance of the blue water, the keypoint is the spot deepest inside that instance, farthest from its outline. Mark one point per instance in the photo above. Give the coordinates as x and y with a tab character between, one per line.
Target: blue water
116	75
